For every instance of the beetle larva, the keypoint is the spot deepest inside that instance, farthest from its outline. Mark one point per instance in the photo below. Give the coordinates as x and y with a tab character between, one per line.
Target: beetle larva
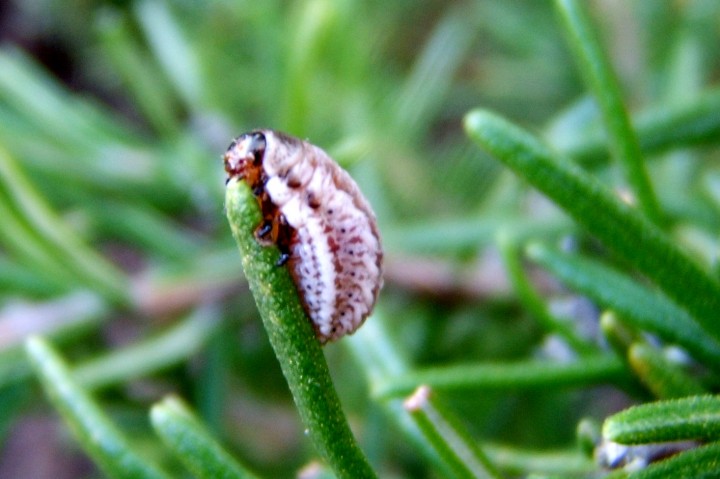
323	225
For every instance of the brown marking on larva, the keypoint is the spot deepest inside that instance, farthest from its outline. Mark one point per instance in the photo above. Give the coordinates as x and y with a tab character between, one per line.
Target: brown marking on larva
313	201
333	244
358	201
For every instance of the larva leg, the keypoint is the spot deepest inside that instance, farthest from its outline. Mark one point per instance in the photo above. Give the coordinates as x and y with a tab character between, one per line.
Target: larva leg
283	237
284	257
275	230
263	230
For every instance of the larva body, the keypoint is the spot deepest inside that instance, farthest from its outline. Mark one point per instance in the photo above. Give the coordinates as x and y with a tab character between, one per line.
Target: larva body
323	225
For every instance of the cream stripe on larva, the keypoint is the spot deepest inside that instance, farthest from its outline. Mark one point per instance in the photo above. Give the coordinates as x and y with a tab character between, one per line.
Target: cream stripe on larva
332	240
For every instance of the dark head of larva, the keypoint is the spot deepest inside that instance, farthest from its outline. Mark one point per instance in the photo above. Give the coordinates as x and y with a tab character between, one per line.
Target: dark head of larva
243	158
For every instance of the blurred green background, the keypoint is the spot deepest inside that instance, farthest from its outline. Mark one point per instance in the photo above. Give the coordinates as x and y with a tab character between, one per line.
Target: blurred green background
114	243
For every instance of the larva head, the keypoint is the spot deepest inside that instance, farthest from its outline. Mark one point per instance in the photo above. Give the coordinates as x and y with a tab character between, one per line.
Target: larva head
243	158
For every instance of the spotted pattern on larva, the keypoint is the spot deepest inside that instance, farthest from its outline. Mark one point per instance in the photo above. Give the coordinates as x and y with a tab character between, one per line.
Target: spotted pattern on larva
323	225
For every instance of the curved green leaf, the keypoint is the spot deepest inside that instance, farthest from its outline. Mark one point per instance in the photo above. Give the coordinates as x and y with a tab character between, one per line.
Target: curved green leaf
664	378
97	435
534	303
451	441
698	463
636	304
145	357
663	128
193	445
519	375
696	417
92	269
293	340
596	68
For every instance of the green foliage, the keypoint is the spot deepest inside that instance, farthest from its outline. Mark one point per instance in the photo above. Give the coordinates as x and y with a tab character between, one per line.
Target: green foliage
603	84
698	463
523	318
181	431
621	228
107	446
696	417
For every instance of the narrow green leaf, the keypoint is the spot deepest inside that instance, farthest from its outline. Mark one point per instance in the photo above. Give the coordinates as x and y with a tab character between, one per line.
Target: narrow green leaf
50	108
698	463
588	434
513	376
192	443
451	441
696	417
665	379
293	340
16	277
59	319
636	304
141	75
171	48
518	462
596	69
546	476
312	22
619	335
142	225
431	76
146	357
532	300
374	351
619	226
93	429
463	233
92	269
663	128
24	245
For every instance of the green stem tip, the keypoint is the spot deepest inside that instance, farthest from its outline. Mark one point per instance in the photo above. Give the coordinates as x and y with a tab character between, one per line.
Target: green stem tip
293	339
